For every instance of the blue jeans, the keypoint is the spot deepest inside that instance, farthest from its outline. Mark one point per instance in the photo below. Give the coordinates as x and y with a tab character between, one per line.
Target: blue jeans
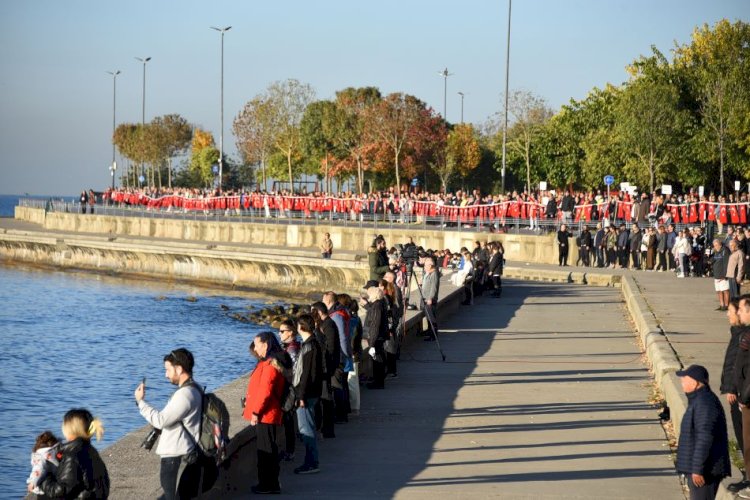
306	423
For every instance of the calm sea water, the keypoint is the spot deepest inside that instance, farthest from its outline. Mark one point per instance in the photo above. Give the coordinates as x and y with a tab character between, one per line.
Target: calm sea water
81	340
9	201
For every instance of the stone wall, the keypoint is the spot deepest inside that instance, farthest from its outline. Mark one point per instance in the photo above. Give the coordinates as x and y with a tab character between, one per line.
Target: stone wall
521	248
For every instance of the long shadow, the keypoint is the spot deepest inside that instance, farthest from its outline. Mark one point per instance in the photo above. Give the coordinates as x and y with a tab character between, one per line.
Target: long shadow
391	443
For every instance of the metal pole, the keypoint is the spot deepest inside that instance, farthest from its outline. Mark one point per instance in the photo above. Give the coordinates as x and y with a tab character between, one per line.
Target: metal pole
445	96
221	132
462	106
505	121
113	167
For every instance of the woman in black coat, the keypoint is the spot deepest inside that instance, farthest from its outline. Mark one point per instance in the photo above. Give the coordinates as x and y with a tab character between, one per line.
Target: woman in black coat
81	473
376	329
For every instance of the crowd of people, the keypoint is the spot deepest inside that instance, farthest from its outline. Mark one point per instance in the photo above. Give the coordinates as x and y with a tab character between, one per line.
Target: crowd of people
536	209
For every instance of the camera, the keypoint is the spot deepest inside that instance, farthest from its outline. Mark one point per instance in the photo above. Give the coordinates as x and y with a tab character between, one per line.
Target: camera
151	438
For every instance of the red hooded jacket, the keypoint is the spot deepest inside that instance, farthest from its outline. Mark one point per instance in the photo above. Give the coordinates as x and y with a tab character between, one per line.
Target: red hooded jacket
264	392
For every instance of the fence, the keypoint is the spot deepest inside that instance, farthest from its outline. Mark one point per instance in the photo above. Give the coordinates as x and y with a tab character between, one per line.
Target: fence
331	217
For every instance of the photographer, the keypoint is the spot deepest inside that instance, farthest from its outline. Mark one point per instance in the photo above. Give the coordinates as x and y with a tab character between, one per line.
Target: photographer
179	423
377	259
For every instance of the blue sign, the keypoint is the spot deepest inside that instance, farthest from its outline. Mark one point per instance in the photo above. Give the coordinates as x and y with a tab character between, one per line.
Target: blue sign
215	168
609	180
141	179
415	182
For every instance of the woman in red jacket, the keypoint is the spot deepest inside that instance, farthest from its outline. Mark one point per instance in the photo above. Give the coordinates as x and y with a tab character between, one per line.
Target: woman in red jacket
263	406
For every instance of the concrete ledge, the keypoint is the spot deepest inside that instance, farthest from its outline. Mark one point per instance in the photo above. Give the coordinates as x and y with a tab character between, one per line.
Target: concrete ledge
561	275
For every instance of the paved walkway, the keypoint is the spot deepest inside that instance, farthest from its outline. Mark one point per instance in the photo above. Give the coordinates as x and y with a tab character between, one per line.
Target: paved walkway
543	395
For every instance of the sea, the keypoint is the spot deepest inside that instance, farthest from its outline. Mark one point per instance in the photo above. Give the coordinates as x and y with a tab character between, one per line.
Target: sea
76	339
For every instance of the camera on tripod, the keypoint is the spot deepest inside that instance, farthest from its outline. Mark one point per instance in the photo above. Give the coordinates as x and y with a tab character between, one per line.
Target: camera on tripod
409	253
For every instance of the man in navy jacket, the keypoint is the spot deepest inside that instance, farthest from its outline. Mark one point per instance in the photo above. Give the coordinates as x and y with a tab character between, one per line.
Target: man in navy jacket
703	451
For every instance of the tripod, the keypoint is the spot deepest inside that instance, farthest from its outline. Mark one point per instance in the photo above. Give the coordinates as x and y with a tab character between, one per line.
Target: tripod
427	312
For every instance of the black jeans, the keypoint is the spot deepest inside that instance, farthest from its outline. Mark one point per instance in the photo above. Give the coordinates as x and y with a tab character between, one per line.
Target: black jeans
290	431
563	260
181	485
268	456
736	414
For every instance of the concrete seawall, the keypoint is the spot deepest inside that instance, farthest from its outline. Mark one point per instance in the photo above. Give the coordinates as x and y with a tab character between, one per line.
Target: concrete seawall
240	268
518	247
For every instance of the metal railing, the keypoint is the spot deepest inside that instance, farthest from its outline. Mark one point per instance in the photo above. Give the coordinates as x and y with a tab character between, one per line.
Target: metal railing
331	218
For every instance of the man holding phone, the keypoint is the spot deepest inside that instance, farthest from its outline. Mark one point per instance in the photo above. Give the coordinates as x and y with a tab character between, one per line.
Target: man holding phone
179	422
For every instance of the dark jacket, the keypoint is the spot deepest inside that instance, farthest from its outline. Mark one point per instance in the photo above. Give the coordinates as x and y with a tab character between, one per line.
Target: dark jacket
568	203
378	263
661	242
562	237
308	370
376	322
634	241
622	239
551	209
599	238
586	239
328	337
742	366
719	261
496	265
703	447
81	473
728	380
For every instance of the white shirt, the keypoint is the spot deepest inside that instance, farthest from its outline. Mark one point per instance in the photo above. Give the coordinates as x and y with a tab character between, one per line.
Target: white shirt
184	406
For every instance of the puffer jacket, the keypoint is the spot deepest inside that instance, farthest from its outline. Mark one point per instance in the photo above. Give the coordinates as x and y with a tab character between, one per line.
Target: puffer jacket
80	475
703	447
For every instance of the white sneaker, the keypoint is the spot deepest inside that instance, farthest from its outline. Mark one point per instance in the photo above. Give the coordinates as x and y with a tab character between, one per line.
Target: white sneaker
680	275
744	493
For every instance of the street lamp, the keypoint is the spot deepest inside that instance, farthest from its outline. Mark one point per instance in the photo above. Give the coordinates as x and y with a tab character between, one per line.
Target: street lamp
462	106
505	121
445	76
221	134
113	167
143	105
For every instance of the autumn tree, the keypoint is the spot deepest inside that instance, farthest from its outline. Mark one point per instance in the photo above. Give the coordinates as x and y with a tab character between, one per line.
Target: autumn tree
204	156
353	105
462	153
254	128
394	123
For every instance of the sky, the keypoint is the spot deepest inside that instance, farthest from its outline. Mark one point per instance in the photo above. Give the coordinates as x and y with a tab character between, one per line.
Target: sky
56	98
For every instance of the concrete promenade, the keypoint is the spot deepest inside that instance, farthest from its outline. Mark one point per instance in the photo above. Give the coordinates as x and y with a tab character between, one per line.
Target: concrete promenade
544	395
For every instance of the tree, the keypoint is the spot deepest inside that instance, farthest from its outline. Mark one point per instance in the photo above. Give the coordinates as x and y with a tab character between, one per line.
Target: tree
288	101
461	155
204	156
650	126
318	128
254	128
174	134
529	113
353	104
393	122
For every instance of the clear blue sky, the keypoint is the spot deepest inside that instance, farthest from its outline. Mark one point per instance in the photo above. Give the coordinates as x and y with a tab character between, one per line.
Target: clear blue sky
56	98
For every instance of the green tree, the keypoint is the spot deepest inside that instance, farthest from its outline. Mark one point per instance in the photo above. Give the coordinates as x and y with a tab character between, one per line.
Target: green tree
288	101
318	128
530	113
204	156
650	126
254	129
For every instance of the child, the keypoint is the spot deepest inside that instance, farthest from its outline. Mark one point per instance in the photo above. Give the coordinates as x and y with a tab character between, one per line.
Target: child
43	459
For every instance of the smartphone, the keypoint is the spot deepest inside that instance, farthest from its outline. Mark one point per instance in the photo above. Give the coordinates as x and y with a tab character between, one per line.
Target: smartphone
143	382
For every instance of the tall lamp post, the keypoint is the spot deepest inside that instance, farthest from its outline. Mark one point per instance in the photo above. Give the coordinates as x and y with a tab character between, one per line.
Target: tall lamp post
221	134
505	120
113	167
143	100
462	106
445	76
